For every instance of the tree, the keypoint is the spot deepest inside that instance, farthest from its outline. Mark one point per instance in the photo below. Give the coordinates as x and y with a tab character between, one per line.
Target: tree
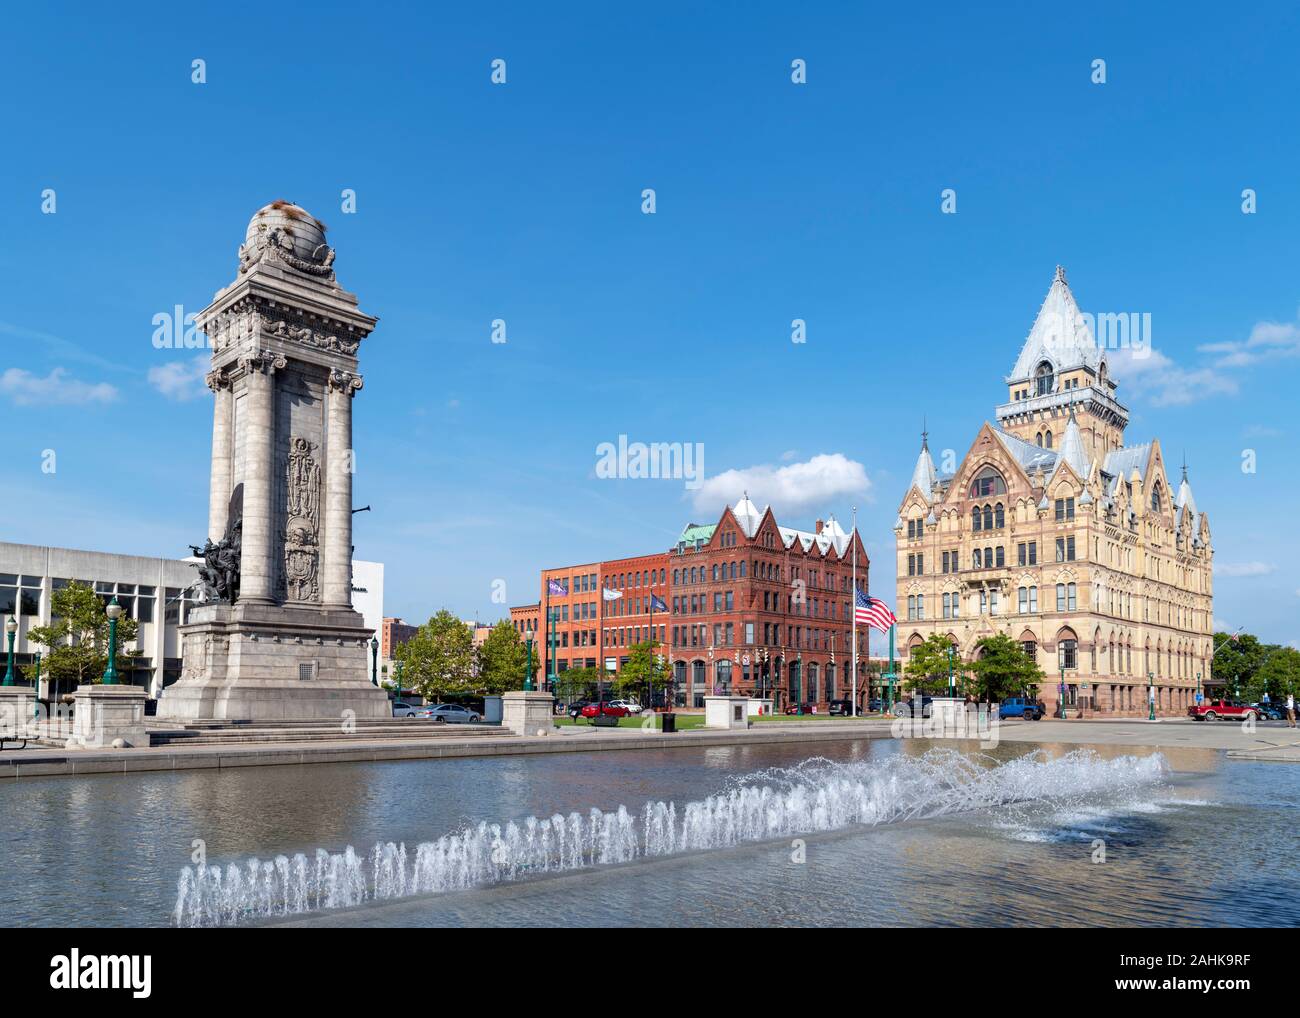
1003	668
927	664
77	640
1236	660
438	661
502	660
1278	675
576	683
645	670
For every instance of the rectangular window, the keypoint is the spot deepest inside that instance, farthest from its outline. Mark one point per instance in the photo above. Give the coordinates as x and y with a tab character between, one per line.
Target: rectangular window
1033	553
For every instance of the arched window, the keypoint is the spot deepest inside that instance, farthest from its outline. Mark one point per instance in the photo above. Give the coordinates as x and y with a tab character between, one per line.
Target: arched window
999	516
1038	440
1043	379
1155	497
988	517
987	482
1047	440
975	518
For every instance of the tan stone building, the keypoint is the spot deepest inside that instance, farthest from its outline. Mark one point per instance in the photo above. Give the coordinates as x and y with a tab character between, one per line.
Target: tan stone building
1053	531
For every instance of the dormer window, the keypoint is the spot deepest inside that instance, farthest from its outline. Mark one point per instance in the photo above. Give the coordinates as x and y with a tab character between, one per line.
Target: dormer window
1155	498
987	482
1043	379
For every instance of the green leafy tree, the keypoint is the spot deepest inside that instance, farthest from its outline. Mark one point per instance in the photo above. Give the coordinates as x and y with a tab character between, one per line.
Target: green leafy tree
1236	661
577	683
927	665
645	670
1278	675
1002	668
77	641
502	660
438	661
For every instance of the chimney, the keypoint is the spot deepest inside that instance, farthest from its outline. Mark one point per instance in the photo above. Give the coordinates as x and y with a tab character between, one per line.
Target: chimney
820	524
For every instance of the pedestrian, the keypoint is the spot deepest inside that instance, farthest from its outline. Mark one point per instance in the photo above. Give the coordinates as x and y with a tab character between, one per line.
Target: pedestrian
1290	710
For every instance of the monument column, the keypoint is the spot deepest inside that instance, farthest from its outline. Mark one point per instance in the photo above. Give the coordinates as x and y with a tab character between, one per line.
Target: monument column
222	454
255	575
337	565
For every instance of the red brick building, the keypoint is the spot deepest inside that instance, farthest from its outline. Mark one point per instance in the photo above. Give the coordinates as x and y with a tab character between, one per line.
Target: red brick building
762	609
593	630
394	633
754	608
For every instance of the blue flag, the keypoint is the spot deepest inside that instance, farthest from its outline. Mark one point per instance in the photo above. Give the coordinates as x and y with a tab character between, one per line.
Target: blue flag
657	603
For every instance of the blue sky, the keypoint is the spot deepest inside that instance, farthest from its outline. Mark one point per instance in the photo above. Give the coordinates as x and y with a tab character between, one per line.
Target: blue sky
522	202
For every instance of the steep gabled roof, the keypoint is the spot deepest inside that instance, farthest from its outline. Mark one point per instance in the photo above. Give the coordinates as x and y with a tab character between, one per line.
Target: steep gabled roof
924	476
1060	335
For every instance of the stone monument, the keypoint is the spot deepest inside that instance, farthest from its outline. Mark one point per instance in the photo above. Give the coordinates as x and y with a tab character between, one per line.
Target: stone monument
277	638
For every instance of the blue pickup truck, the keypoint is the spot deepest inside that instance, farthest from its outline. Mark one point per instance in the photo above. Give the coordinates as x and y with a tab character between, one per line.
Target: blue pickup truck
1020	707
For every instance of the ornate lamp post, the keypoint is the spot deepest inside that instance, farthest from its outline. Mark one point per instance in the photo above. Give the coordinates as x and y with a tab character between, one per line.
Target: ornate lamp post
374	660
36	686
114	612
11	627
528	675
950	686
1151	696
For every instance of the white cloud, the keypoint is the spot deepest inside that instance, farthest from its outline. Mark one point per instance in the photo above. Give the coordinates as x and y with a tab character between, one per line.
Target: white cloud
793	488
1244	568
181	380
27	389
1266	340
1151	373
1154	375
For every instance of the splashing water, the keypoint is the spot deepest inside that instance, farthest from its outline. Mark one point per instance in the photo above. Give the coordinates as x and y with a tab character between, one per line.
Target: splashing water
816	795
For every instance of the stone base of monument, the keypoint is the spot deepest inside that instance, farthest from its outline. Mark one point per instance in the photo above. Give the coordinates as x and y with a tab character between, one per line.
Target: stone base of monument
945	712
253	662
107	716
527	712
17	708
726	712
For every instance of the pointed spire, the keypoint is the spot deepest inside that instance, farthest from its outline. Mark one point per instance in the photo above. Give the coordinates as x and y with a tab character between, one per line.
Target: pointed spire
1072	450
924	476
1060	335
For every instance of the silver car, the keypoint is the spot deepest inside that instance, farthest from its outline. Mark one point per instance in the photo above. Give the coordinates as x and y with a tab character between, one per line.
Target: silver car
452	713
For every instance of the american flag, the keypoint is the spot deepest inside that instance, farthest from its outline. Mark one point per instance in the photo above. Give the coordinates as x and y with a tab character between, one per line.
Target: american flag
873	612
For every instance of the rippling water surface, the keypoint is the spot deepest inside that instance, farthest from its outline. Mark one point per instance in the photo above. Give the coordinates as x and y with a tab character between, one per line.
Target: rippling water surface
882	833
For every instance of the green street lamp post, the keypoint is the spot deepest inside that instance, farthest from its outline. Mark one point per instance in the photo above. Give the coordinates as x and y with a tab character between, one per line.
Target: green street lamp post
397	681
11	627
950	686
114	612
528	675
1151	696
1061	705
36	687
374	660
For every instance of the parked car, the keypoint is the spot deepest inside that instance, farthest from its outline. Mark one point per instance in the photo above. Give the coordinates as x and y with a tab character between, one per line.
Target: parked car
452	713
875	704
1020	707
1226	710
799	708
841	708
402	709
610	708
1271	711
632	706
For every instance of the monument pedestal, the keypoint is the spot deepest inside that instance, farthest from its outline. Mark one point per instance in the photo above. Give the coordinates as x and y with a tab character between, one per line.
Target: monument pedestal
726	712
17	711
255	662
527	712
105	714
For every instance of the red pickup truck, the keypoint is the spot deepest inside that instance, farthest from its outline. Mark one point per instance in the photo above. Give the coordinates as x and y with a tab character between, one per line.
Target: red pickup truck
1223	709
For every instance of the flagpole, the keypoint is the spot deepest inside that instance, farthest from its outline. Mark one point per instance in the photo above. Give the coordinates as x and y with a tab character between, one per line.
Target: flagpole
650	683
853	606
546	641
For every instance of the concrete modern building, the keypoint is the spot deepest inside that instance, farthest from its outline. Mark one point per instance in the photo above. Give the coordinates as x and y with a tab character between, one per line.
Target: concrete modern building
1053	531
159	593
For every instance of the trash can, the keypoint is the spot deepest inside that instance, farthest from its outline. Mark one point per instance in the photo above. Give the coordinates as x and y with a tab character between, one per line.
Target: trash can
670	721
